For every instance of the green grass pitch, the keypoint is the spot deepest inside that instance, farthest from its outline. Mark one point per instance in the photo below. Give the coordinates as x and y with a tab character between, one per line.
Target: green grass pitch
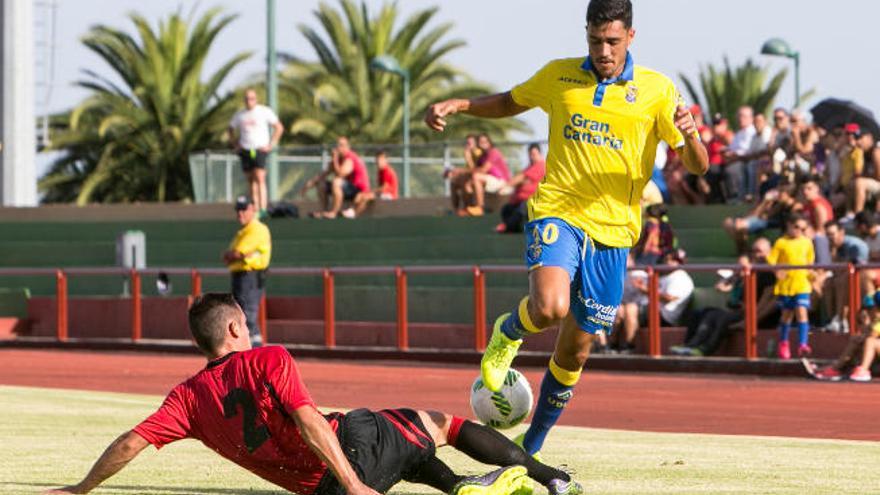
50	438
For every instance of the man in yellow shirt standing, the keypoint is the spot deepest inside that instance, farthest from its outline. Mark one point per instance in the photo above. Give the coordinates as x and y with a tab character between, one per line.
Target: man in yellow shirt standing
606	116
247	259
793	287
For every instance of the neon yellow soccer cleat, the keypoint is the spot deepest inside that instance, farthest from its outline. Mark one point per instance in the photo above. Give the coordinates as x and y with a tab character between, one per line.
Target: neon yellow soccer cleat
498	356
505	481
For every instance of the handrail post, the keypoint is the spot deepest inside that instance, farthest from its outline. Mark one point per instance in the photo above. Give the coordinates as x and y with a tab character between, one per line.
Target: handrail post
264	332
196	283
136	315
653	313
61	305
751	323
402	309
854	297
329	310
479	309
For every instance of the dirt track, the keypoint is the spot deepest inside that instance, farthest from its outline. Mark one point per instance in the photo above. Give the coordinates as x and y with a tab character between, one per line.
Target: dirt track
646	402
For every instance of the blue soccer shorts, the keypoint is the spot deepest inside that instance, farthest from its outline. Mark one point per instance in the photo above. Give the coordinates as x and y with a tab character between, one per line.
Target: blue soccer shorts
596	271
795	301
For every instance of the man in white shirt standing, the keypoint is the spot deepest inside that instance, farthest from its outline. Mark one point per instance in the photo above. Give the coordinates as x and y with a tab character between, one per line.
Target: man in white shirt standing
734	170
254	143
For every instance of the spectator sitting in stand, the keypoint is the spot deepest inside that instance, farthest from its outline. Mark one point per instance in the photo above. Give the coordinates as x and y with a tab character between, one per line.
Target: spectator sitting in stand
525	183
869	231
858	355
867	183
844	249
350	179
490	176
852	162
710	327
769	213
460	189
804	137
674	291
387	191
816	208
657	236
387	177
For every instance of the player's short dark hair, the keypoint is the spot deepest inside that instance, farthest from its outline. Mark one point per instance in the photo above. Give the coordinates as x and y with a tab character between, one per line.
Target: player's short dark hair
381	152
485	135
208	317
534	146
603	11
832	223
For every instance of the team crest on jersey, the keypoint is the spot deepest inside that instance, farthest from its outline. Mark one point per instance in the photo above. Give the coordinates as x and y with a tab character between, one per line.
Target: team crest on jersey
535	248
632	93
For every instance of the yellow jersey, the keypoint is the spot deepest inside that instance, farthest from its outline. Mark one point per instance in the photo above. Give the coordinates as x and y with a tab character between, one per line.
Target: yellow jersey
255	242
851	165
792	251
603	141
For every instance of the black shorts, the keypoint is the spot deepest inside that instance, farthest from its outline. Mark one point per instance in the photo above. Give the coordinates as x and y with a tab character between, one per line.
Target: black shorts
251	159
349	190
383	447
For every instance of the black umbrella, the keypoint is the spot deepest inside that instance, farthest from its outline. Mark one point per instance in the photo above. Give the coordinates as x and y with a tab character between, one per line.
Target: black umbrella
832	113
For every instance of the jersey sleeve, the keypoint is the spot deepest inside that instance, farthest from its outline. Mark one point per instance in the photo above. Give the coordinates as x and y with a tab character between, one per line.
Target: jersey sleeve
665	124
535	91
283	375
270	115
235	122
169	423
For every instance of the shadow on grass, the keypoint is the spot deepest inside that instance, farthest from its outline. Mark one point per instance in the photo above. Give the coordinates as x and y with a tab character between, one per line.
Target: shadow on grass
39	487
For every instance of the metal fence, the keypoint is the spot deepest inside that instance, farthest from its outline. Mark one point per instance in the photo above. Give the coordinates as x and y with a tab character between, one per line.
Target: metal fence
478	273
217	175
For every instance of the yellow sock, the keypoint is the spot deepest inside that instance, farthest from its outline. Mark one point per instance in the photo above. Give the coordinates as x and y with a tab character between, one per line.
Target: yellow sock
563	376
524	319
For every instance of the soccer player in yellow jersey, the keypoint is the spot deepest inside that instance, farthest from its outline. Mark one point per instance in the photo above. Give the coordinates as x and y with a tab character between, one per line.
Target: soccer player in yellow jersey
607	116
793	286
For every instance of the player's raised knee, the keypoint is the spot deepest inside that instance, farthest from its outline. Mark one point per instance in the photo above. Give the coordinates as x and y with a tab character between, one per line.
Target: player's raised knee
546	310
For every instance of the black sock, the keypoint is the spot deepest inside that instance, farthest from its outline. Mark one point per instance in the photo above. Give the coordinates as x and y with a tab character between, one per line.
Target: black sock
486	445
436	474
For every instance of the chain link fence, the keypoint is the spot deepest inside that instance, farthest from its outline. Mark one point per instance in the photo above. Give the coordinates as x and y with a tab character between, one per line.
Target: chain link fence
217	175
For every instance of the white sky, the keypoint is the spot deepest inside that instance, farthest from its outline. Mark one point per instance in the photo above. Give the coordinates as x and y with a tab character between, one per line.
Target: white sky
509	39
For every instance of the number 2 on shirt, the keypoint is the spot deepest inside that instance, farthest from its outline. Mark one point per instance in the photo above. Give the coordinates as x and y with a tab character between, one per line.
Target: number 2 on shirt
254	435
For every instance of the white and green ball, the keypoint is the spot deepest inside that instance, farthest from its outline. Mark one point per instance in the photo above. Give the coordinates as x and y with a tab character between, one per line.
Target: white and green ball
506	408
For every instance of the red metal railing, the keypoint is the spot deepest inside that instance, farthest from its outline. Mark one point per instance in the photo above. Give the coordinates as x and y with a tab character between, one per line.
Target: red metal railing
400	273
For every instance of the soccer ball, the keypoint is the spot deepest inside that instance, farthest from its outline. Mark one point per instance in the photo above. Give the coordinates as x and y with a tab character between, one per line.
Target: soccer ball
506	408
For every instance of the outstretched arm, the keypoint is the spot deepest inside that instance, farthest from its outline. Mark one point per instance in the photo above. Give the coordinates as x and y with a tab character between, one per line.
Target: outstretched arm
322	440
495	106
117	456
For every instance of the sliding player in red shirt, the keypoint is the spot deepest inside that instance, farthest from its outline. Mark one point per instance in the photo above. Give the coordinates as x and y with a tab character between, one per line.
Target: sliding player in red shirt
251	407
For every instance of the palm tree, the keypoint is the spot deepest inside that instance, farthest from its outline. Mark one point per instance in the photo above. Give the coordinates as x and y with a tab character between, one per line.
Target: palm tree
726	89
131	141
339	95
